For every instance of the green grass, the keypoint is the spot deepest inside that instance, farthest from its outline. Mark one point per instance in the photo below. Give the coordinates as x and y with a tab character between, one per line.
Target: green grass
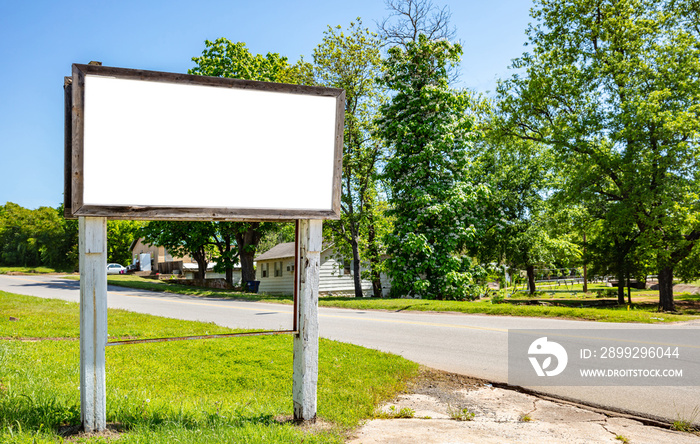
636	313
172	286
644	308
29	270
207	391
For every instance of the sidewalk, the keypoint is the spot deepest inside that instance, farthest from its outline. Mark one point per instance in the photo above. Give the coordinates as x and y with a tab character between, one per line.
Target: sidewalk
502	416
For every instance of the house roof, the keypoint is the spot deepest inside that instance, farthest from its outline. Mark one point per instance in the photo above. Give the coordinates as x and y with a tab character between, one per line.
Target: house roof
279	251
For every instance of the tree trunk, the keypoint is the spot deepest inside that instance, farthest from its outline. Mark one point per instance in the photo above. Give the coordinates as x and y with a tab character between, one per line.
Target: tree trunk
247	268
247	245
373	250
666	289
531	278
229	268
376	284
585	266
357	279
229	276
201	259
621	285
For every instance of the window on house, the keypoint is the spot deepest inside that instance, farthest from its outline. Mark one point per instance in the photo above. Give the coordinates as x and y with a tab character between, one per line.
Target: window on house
346	266
265	270
278	269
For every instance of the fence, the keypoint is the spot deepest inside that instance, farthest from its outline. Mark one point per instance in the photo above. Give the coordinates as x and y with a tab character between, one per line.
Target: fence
172	267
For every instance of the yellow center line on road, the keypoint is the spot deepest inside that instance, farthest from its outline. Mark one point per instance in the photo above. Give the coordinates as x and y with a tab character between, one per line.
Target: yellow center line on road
393	321
352	318
428	324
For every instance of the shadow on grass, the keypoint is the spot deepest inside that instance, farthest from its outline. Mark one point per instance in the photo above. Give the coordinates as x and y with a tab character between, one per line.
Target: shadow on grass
409	307
21	413
178	289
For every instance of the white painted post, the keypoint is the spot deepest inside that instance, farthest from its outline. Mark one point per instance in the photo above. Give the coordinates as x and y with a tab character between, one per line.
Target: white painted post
305	376
93	322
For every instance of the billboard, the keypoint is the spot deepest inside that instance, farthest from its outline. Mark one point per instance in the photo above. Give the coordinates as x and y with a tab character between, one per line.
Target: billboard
164	146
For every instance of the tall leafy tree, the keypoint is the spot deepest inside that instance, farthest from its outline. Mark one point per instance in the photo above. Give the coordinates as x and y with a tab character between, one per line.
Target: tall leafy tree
183	238
351	59
36	237
524	235
44	237
223	58
120	235
437	211
224	239
613	87
248	236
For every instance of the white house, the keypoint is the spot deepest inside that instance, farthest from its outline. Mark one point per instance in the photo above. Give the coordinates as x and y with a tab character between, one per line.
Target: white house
275	271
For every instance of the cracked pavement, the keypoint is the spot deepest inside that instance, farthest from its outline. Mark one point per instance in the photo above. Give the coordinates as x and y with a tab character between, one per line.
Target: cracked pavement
505	416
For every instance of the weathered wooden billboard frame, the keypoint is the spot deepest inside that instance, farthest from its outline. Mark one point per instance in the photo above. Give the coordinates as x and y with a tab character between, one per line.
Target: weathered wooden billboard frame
93	231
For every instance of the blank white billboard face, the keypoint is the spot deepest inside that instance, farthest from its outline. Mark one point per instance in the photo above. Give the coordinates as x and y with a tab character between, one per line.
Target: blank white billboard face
181	149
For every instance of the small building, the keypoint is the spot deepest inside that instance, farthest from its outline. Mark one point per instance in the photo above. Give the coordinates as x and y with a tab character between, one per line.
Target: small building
161	260
191	268
275	271
164	263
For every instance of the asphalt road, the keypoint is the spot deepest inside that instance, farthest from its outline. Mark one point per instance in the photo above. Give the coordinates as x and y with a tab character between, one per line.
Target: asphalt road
472	345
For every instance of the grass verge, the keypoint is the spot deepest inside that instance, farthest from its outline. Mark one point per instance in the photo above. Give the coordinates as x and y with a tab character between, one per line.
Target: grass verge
219	390
573	303
30	270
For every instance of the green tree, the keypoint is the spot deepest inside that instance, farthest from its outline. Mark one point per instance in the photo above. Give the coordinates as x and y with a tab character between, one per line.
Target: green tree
32	237
285	233
613	87
44	237
224	239
614	249
524	234
437	212
67	245
351	60
223	58
182	238
120	235
248	236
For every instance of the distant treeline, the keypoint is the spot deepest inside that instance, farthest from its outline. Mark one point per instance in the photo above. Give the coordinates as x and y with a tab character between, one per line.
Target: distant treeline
43	237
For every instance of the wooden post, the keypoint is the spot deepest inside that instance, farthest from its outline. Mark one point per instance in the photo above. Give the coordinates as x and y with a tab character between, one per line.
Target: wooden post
93	322
305	375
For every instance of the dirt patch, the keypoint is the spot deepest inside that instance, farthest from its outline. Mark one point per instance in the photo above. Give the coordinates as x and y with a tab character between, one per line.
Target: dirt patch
7	338
687	305
75	433
444	386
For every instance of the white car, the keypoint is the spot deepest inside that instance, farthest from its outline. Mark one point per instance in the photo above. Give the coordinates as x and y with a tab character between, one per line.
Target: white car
115	269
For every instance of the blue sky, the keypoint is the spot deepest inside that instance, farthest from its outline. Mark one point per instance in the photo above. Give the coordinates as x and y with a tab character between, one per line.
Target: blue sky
40	39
